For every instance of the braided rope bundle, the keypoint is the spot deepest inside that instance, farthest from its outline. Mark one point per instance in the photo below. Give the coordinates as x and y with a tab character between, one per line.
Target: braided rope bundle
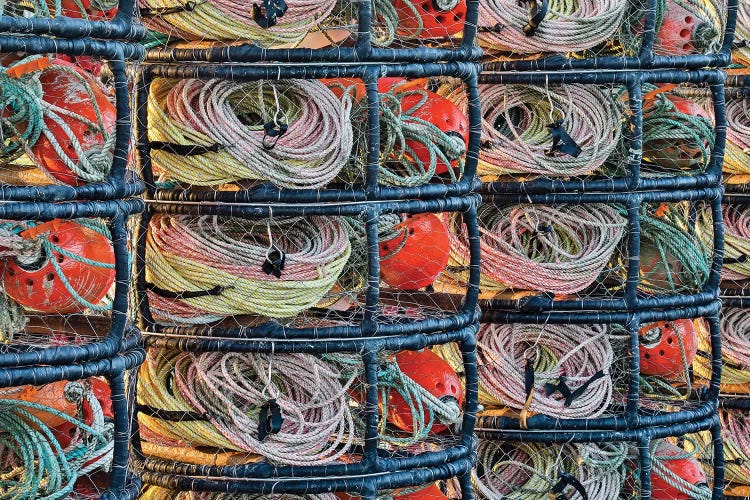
529	471
735	349
157	493
25	124
678	132
571	352
222	260
516	137
561	250
736	240
737	154
222	395
735	433
233	20
230	117
741	55
679	247
402	129
34	464
568	26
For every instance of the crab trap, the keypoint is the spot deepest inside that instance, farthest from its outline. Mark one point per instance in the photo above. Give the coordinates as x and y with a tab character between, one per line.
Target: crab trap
601	131
101	19
663	463
66	121
552	35
304	31
65	281
307	133
304	417
65	430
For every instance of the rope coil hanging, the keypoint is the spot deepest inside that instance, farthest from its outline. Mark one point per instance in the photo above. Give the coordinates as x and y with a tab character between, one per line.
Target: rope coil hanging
206	268
235	20
735	350
532	471
216	400
566	27
735	433
227	123
736	240
561	359
561	250
516	123
737	154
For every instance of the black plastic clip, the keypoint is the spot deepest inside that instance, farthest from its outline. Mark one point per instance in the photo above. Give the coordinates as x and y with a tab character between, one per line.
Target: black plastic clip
275	130
165	11
275	260
185	149
738	260
565	481
268	15
269	420
185	294
538	12
570	396
561	141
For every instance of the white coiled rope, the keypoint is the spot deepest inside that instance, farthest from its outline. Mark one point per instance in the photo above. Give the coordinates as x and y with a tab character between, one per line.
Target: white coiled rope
561	250
516	137
567	27
196	254
231	116
575	352
229	389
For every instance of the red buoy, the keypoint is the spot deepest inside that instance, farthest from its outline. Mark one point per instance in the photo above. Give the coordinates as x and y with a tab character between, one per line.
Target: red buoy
430	18
660	351
435	375
688	469
37	285
416	257
678	32
93	10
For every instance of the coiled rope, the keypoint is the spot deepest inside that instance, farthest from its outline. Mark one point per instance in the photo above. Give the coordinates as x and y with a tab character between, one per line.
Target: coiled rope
736	239
205	268
568	26
34	464
516	135
531	471
23	127
157	493
229	126
46	8
561	250
216	400
561	359
735	433
735	349
401	130
741	54
737	154
234	20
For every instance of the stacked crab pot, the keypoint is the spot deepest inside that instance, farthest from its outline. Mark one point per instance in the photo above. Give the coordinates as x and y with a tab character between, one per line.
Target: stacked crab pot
601	239
67	345
300	208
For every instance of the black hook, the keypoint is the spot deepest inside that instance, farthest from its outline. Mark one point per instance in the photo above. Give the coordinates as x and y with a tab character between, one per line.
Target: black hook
275	260
164	11
275	130
565	481
538	12
269	420
561	141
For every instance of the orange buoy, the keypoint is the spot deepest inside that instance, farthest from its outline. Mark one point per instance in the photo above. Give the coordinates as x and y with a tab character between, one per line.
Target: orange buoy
688	469
662	344
94	10
430	18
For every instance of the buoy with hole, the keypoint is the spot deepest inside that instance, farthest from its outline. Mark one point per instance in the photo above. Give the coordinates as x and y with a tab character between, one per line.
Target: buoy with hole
51	396
436	376
681	32
688	469
417	256
430	18
93	10
85	260
666	347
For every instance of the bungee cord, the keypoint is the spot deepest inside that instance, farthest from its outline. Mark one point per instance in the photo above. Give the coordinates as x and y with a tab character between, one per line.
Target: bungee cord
202	269
35	463
34	117
561	250
233	20
534	471
737	153
295	133
568	26
516	135
568	366
219	399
